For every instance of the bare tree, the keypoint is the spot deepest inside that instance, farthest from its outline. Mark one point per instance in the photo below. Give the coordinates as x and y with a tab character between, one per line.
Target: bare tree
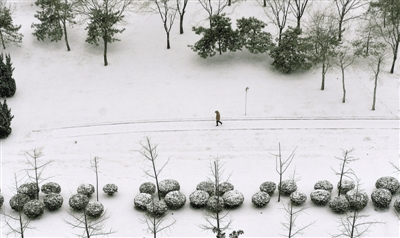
281	165
32	158
345	58
213	8
90	227
181	8
344	170
167	11
344	9
94	163
291	216
298	8
376	68
277	11
149	151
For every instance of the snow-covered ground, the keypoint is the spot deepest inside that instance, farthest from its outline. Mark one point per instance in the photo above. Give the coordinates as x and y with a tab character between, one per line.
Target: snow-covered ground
75	108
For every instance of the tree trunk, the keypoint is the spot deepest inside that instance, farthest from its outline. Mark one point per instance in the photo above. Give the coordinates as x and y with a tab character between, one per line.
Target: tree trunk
86	224
353	225
105	51
21	225
229	3
265	3
378	68
340	29
65	35
290	221
298	21
168	44
395	57
323	76
280	35
343	84
181	23
2	40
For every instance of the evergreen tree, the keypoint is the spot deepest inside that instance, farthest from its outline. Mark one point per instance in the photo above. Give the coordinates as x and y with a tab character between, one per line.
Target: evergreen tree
5	120
8	31
53	16
252	37
7	82
292	52
219	38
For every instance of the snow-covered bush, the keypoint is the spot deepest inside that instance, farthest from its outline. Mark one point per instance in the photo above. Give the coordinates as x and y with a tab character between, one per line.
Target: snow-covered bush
225	187
5	120
110	189
168	185
397	204
268	187
141	200
298	198
233	198
30	189
175	200
51	187
357	199
287	187
33	208
94	209
199	198
381	198
18	201
339	204
53	201
1	200
78	201
320	197
147	187
389	183
324	184
260	199
86	189
156	208
346	186
206	186
215	204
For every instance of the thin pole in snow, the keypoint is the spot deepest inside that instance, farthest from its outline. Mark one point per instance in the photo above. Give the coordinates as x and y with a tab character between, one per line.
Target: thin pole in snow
245	101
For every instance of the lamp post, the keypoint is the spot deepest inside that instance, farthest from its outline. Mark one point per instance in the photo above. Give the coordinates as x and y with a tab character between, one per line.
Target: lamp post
245	101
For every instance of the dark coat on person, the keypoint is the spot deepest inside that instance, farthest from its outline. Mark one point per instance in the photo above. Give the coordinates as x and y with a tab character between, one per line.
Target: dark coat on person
218	116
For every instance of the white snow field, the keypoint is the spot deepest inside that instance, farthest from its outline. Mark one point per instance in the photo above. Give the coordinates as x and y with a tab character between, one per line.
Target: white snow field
75	108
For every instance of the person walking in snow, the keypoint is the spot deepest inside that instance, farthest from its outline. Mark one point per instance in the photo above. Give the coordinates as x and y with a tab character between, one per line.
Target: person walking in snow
218	117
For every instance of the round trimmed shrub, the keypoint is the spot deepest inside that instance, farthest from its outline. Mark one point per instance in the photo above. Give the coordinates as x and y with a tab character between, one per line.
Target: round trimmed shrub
357	199
268	187
320	197
287	187
225	187
199	198
33	208
168	185
53	201
156	208
339	204
347	185
86	189
1	201
110	189
324	184
78	201
94	209
298	198
51	187
260	199
233	198
389	183
175	200
30	189
206	186
141	200
381	198
215	204
147	187
397	204
18	201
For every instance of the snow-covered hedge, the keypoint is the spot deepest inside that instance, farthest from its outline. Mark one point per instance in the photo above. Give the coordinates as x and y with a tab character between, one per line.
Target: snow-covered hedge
1	200
51	187
86	189
225	187
18	201
381	198
339	204
260	199
94	209
53	201
396	204
156	208
357	199
78	201
141	200
287	187
33	208
268	187
389	183
324	184
233	198
168	185
175	200
206	186
147	187
29	189
199	198
320	197
110	189
215	204
298	198
346	186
